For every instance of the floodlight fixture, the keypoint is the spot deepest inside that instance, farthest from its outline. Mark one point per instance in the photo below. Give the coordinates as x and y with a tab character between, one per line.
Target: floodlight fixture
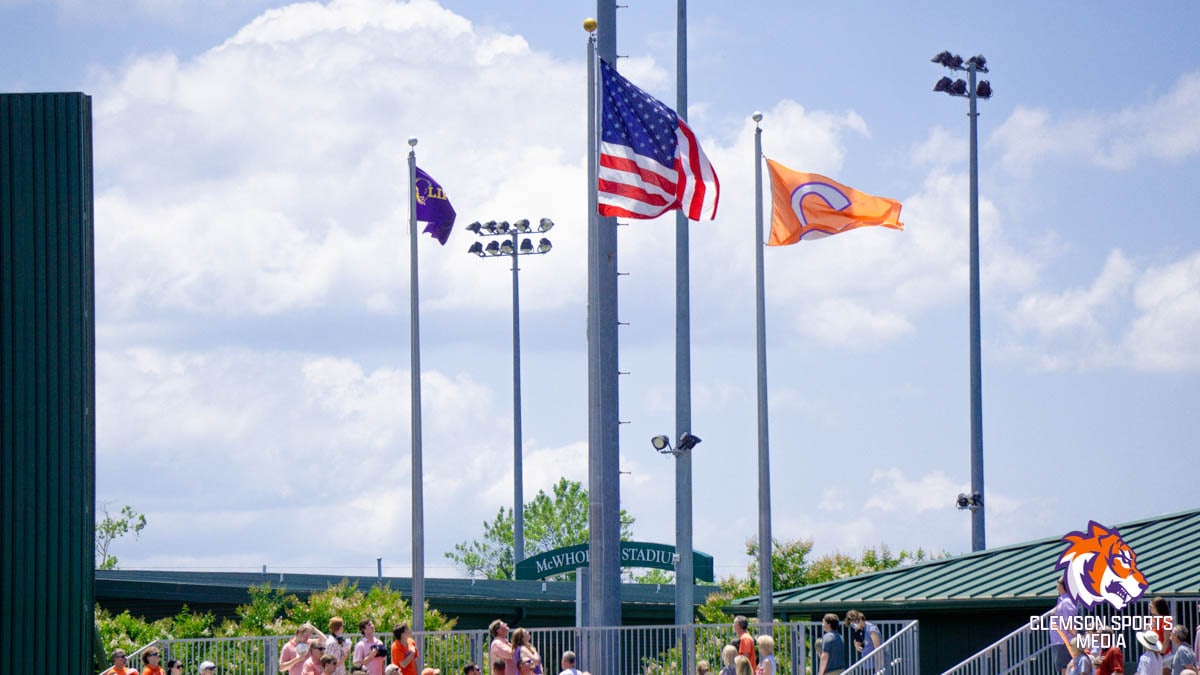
687	441
983	89
943	84
979	62
959	88
507	242
969	502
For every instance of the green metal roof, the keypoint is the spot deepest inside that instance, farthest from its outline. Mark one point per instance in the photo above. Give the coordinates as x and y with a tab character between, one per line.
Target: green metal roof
1167	548
158	593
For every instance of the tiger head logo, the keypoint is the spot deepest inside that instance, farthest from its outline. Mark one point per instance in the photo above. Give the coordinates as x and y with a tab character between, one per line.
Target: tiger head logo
1099	566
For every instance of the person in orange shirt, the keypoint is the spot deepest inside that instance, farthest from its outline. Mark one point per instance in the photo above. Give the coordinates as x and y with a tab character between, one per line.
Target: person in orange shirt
404	650
745	641
152	666
118	666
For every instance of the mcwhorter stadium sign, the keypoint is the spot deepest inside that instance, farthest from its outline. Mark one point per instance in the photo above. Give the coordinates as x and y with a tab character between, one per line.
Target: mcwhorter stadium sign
633	554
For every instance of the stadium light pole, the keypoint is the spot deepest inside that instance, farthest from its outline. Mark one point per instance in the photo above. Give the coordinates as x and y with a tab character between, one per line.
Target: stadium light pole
513	246
972	92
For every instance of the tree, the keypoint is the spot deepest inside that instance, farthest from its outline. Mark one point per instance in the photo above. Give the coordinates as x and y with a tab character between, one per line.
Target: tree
271	611
791	567
550	522
110	529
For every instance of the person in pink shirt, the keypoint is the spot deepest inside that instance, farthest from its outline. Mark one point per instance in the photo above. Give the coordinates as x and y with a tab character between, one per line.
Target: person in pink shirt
500	649
369	653
295	651
316	652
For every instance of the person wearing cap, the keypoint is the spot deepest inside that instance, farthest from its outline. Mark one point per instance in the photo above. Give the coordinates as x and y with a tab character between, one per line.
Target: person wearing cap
1151	660
152	667
118	664
208	668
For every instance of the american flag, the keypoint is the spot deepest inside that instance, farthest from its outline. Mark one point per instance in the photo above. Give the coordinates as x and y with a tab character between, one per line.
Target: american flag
650	161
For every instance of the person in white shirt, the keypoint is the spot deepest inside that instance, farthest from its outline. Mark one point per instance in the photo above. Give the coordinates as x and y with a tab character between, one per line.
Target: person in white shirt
1151	661
568	665
337	645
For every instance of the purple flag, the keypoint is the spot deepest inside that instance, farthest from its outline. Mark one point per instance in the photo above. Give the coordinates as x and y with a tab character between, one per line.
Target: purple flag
434	207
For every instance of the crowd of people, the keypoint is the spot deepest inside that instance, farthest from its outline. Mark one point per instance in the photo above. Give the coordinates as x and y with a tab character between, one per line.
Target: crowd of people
1167	649
756	656
312	652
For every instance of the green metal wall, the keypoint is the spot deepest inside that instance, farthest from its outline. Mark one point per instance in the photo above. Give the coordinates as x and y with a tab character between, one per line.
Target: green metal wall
47	384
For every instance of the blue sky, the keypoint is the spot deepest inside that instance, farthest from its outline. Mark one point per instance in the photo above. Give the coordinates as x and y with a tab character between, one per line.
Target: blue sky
252	274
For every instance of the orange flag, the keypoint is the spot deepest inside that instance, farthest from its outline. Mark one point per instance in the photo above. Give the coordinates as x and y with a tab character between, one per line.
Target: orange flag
811	206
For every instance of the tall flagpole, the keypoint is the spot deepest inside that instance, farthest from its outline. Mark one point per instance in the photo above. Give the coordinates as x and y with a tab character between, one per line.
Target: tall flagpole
765	543
604	532
684	589
418	498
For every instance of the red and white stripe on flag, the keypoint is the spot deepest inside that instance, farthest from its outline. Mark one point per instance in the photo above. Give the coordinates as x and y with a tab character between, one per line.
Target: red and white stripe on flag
698	188
638	186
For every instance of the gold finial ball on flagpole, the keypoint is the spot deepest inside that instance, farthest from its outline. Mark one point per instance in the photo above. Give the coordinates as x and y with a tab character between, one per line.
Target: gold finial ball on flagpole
412	142
757	116
589	24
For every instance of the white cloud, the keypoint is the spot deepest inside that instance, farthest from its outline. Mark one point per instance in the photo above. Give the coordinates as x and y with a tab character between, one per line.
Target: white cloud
265	177
891	490
1135	318
267	174
1164	335
1160	129
275	437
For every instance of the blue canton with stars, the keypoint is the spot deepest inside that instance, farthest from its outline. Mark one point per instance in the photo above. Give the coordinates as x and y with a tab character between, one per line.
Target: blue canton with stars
636	119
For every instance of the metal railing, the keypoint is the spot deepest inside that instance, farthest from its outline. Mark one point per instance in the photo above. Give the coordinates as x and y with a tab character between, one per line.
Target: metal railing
1023	650
1027	652
898	655
636	650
